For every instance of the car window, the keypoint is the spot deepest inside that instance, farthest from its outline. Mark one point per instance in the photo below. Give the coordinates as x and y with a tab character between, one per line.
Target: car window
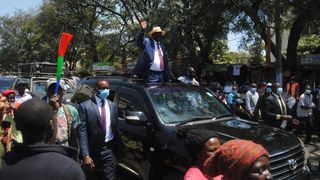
68	87
86	91
22	80
176	104
6	83
39	88
130	99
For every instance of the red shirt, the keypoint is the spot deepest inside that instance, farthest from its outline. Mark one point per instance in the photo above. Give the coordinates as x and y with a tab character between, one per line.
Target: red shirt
194	173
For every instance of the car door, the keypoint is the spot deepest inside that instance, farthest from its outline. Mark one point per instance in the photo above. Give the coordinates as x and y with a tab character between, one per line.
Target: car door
134	137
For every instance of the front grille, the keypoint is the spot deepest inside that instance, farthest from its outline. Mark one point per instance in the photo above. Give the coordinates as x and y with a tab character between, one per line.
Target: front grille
279	163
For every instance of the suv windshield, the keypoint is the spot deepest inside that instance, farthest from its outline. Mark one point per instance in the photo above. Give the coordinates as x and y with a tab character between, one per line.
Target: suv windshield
182	104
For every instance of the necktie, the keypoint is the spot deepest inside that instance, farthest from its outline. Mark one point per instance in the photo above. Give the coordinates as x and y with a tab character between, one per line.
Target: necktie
160	57
283	106
103	115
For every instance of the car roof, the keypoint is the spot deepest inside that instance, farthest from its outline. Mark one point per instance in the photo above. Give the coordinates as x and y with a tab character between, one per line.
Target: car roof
119	80
8	77
93	78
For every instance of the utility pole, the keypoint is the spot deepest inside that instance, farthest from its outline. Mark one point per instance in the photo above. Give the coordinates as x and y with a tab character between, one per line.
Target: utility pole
279	74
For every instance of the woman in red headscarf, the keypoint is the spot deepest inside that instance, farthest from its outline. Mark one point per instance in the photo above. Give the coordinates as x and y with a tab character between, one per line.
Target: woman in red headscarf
8	133
239	160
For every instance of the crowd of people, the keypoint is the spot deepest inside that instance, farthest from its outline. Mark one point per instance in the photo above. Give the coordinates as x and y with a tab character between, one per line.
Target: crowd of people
273	105
47	149
48	139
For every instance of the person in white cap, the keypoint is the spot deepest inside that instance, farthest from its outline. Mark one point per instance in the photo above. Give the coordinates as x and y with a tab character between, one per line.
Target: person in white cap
66	117
153	63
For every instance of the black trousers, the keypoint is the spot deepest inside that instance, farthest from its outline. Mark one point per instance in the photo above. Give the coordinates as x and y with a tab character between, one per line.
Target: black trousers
106	164
307	124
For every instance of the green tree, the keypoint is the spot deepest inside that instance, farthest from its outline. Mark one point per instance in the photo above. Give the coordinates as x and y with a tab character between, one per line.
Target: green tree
308	44
256	15
19	40
231	57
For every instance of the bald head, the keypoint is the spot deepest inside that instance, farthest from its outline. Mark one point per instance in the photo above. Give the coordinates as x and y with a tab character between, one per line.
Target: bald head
191	73
276	85
33	116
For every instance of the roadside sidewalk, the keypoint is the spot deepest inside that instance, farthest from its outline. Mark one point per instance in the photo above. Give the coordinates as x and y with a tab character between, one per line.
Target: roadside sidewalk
314	156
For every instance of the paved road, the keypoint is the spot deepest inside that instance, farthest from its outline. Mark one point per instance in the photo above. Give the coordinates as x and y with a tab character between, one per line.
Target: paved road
314	156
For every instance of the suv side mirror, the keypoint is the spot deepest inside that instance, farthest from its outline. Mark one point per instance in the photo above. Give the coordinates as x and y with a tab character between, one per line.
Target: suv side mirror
135	118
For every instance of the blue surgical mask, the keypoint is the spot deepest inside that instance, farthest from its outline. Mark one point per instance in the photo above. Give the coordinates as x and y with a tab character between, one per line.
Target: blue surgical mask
104	93
279	91
308	91
253	90
239	101
268	90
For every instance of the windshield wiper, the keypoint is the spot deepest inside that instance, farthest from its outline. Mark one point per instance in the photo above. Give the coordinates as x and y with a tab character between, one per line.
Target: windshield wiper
193	119
224	115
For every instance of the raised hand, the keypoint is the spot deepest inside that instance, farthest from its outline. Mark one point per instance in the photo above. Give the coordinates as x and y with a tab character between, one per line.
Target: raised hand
143	24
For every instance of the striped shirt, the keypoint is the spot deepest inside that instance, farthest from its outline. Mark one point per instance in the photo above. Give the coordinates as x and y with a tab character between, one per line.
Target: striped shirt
306	101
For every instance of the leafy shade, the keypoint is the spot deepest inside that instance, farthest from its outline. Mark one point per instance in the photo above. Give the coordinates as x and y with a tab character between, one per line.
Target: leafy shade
308	44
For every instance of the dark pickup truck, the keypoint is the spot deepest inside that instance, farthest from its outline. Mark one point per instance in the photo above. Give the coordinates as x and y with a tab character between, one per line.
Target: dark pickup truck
151	114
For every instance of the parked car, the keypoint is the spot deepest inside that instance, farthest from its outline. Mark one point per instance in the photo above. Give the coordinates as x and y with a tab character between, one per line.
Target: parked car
11	82
38	87
151	114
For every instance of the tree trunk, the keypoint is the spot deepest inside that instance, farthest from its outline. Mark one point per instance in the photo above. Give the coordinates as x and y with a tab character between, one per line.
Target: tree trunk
295	32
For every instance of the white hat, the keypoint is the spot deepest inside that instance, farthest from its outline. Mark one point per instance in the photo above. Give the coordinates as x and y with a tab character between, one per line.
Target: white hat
52	81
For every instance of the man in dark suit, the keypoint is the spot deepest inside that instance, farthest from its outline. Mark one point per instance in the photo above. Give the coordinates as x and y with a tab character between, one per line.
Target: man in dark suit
153	63
274	109
98	133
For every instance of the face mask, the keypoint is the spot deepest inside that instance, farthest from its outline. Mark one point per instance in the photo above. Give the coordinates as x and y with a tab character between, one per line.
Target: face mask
269	90
279	91
104	93
308	91
253	90
238	101
264	83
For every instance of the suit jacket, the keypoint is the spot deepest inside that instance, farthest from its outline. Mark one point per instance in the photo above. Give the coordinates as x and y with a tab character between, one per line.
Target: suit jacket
91	134
270	109
147	56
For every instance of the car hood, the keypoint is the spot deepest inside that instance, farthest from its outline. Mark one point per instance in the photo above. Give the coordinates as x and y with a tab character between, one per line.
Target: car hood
274	140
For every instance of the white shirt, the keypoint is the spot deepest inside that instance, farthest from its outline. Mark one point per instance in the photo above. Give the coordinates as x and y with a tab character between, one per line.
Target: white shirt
251	101
23	98
186	80
109	134
155	66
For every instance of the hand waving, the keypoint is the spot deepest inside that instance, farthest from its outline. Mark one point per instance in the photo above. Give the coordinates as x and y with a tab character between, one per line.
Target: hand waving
143	24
